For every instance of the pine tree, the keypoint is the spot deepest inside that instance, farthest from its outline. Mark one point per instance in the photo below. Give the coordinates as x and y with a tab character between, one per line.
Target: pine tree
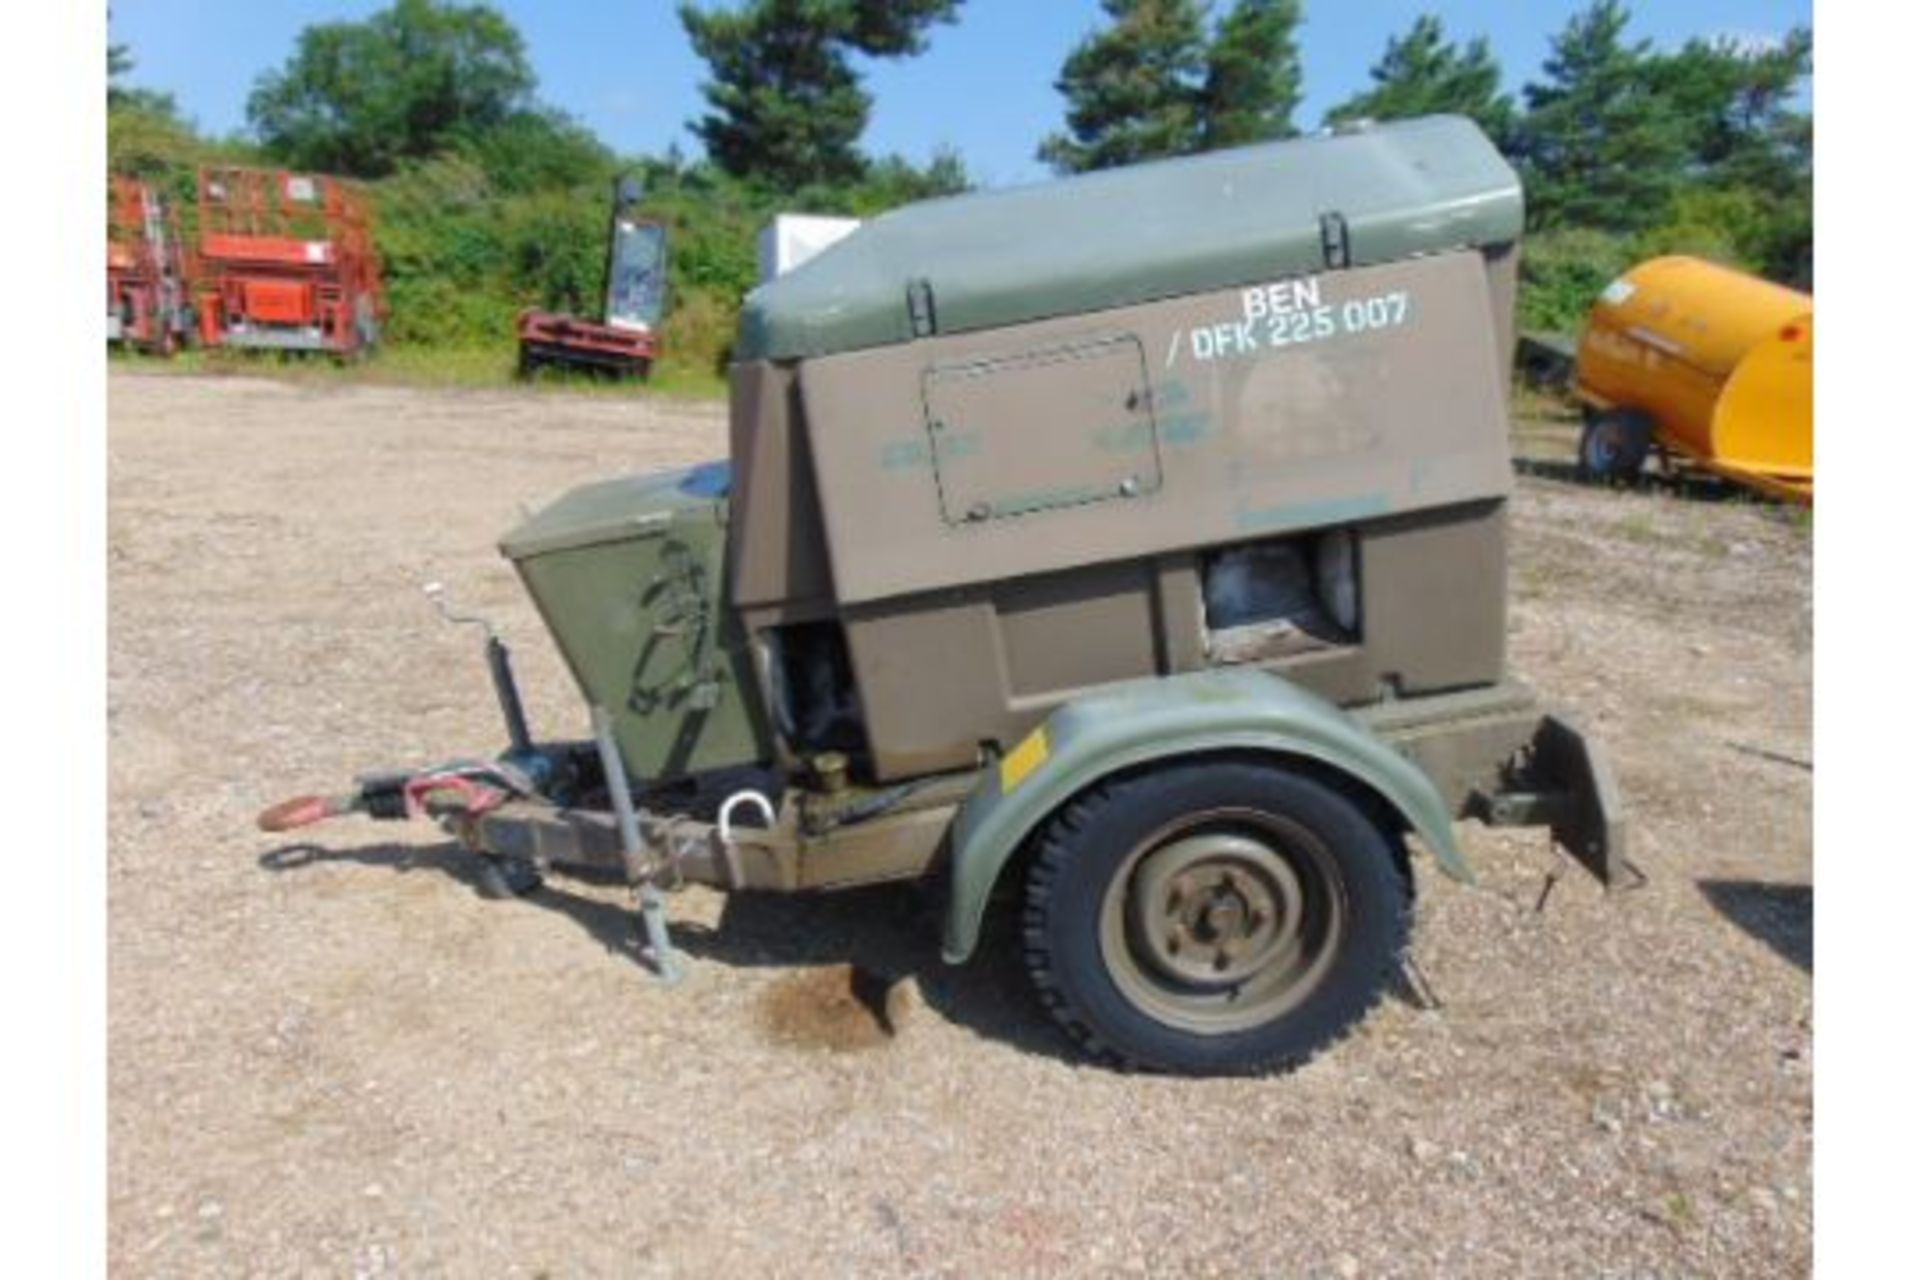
1253	75
1736	101
1749	148
788	106
1132	89
1423	73
1599	147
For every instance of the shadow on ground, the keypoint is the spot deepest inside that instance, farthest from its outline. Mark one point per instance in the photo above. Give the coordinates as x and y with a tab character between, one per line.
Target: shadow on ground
888	931
1780	915
1695	486
884	932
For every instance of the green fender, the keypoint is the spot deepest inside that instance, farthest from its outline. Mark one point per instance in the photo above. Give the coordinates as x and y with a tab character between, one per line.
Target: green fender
1224	709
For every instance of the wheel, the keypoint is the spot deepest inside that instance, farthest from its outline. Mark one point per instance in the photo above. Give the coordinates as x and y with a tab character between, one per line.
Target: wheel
1614	444
501	878
1214	918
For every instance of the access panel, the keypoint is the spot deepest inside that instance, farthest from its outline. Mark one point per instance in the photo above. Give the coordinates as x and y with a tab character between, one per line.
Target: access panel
1057	426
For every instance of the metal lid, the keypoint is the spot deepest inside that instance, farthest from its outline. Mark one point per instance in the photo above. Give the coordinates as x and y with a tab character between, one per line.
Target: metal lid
620	509
1124	236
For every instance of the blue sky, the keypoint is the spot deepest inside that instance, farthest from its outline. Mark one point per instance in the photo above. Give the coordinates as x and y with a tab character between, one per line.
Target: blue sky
985	86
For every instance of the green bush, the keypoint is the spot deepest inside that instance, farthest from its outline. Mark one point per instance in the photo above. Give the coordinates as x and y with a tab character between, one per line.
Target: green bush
1562	272
1723	226
538	151
554	249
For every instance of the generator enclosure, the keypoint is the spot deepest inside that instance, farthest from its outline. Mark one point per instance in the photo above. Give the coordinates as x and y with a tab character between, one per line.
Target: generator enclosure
990	453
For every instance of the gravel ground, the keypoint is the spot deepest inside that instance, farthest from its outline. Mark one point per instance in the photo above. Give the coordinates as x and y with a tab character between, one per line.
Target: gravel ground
337	1058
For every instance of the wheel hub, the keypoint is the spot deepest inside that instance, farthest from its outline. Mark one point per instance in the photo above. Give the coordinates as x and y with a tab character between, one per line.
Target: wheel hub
1222	920
1212	910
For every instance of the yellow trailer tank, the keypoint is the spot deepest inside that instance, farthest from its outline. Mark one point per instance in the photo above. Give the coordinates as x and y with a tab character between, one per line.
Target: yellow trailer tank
1710	364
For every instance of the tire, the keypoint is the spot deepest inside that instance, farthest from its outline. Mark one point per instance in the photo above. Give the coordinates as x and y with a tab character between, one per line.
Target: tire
1614	444
500	879
1218	918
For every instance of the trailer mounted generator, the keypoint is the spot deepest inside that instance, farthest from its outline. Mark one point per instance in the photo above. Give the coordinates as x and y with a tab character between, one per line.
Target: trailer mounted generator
1127	553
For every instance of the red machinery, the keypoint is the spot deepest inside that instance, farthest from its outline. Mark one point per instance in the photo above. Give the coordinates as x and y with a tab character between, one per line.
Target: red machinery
146	270
626	341
287	263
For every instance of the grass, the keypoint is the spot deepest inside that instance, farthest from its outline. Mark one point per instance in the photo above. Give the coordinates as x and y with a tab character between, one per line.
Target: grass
1639	527
1527	402
1799	519
419	366
1678	1209
1694	529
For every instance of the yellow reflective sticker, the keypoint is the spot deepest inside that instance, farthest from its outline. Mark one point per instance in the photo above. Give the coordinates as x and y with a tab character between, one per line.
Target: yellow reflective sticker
1023	760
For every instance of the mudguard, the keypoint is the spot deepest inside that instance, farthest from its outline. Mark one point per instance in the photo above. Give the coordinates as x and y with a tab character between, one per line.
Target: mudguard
1230	709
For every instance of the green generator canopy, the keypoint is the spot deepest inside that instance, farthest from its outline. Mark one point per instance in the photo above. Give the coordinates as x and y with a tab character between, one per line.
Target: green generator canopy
1374	194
